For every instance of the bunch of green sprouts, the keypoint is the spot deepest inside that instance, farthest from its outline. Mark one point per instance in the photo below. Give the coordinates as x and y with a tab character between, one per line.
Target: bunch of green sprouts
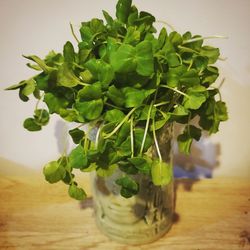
128	83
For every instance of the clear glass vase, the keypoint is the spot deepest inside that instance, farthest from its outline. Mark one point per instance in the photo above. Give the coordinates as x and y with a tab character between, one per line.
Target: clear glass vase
144	217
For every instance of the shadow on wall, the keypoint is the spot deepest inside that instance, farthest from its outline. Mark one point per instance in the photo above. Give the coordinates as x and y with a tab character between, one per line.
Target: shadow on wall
204	158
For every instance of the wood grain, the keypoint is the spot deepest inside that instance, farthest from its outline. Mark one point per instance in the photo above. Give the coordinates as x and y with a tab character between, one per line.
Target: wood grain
210	214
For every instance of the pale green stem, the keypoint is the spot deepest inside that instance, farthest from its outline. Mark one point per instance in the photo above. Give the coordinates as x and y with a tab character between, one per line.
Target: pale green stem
146	128
73	33
203	38
160	104
156	142
38	101
83	84
97	137
167	24
132	135
120	124
175	90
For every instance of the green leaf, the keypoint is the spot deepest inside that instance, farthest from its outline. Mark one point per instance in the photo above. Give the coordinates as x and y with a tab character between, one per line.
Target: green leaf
173	60
114	115
141	164
76	135
70	115
89	93
185	140
194	101
90	110
55	103
29	88
190	78
16	86
144	58
116	96
31	125
78	158
40	63
210	52
184	143
133	36
161	173
180	111
105	172
174	74
175	38
123	134
41	117
123	8
69	53
100	70
53	172
135	97
124	59
76	192
162	37
108	18
129	187
66	76
138	137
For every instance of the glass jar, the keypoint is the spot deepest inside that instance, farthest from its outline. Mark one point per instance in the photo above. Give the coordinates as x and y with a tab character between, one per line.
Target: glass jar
144	217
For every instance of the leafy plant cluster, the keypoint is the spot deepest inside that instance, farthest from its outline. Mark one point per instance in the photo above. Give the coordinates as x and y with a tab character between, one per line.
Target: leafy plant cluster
128	83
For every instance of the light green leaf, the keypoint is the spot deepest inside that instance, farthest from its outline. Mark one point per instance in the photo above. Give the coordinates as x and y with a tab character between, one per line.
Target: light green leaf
90	110
69	53
144	58
161	173
89	93
116	96
105	172
29	88
100	70
78	158
53	172
40	63
55	103
76	192
41	117
124	59
135	97
210	52
114	115
66	76
133	36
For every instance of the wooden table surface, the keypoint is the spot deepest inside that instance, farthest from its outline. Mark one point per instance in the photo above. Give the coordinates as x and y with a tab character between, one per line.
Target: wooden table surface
211	214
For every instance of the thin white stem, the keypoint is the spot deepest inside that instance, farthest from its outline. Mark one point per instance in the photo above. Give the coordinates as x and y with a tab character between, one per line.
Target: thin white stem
204	38
160	104
146	128
97	137
175	90
156	142
120	124
132	135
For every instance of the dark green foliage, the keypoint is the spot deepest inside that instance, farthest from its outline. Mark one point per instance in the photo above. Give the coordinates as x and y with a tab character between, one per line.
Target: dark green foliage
126	83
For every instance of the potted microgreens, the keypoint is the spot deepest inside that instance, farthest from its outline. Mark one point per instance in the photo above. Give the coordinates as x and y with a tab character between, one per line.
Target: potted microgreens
129	85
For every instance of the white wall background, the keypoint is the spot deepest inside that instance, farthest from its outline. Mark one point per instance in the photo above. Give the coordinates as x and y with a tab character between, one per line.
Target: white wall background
35	27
